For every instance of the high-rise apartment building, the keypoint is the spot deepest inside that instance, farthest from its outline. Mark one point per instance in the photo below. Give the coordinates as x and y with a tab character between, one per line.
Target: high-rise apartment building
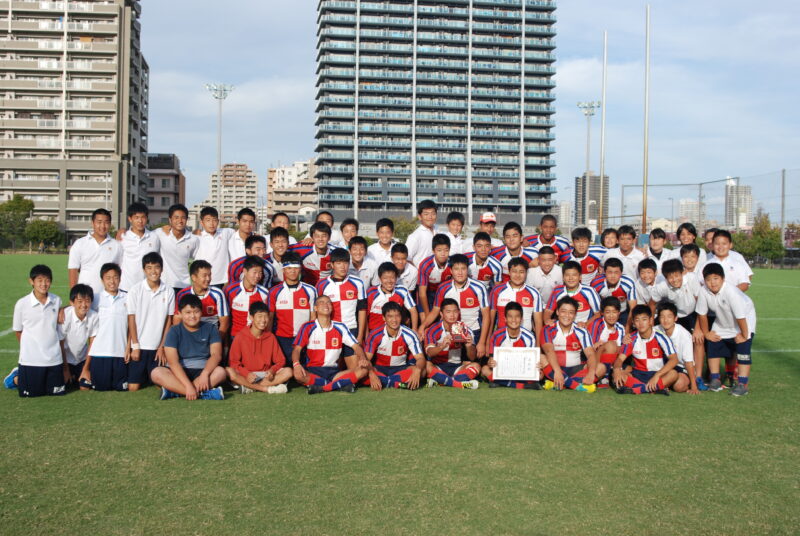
738	205
233	188
449	100
689	210
587	199
73	108
166	185
293	189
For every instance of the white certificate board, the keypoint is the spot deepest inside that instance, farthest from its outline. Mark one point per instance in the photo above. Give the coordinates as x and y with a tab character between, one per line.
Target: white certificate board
516	364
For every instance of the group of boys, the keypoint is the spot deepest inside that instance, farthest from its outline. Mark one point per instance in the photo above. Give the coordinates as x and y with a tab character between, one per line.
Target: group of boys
189	311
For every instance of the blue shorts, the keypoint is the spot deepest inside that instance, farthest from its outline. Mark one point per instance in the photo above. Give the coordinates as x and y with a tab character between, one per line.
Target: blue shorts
139	371
431	297
688	322
109	373
449	368
76	371
40	381
192	373
623	317
643	376
389	371
727	348
287	346
346	350
326	373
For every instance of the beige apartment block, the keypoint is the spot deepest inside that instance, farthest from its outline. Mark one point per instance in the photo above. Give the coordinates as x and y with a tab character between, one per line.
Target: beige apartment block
235	188
293	189
166	185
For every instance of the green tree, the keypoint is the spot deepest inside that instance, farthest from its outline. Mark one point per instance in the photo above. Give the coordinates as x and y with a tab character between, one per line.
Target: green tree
767	239
404	227
13	218
43	231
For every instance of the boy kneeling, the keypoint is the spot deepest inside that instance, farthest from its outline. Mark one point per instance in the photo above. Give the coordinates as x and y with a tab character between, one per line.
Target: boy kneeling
256	361
194	351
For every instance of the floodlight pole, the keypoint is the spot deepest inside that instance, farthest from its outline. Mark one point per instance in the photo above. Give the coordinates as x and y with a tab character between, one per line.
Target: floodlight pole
219	92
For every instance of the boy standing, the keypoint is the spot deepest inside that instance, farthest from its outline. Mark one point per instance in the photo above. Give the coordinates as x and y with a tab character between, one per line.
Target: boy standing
348	295
280	220
646	282
547	275
278	246
381	251
627	251
737	271
684	348
178	246
548	226
213	246
482	266
512	248
419	242
136	242
362	265
488	224
255	245
679	288
316	257
407	273
588	256
247	225
655	248
89	253
106	366
240	295
290	303
433	271
150	305
455	224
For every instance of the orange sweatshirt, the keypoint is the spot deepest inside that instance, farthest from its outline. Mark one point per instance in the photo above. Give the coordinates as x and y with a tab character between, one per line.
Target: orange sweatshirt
250	354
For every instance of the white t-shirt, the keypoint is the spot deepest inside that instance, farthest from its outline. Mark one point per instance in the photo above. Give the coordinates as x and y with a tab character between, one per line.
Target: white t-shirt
111	339
236	246
737	270
134	248
75	333
630	262
368	273
409	277
419	244
214	250
457	243
87	256
684	297
729	304
177	254
150	309
544	283
380	255
682	340
644	292
38	322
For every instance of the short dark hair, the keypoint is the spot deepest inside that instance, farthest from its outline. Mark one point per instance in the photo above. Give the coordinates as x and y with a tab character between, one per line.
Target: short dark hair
349	221
198	265
548	217
209	211
658	232
258	307
340	255
252	261
251	240
723	233
110	267
455	216
384	222
690	248
448	301
458	258
610	301
100	212
581	232
517	261
666	305
641	309
608	231
713	268
440	240
613	262
571	265
387	267
291	257
399	248
178	207
278	215
356	240
671	266
323	212
626	229
512	226
137	208
647	264
711	230
567	300
688	227
245	212
391	306
320	226
546	250
278	232
152	258
189	300
426	204
513	306
481	235
81	291
41	270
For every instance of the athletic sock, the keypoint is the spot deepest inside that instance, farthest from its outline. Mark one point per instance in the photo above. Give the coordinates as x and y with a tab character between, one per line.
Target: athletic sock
469	373
744	379
441	378
636	386
714	376
342	381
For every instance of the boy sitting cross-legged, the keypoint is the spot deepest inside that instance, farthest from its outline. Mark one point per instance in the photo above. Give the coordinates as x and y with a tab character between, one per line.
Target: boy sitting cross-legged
194	352
564	345
451	362
607	336
256	361
394	352
513	335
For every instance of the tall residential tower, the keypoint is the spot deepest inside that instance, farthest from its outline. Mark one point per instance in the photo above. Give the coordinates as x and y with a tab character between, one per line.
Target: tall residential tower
435	99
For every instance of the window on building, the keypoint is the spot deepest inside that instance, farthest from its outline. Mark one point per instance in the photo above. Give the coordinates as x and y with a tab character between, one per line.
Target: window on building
165	183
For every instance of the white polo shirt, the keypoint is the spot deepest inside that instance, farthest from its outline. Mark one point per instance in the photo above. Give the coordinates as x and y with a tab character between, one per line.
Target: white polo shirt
112	328
38	322
737	270
368	273
75	333
380	255
630	262
457	243
644	292
682	341
177	254
544	283
419	244
684	297
88	256
408	278
236	246
134	248
729	304
150	309
214	250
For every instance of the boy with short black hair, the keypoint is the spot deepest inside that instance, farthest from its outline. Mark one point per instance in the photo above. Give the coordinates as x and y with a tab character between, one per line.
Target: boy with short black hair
194	352
315	259
381	251
687	236
451	362
590	257
279	241
588	302
687	381
731	335
349	228
240	295
609	239
547	275
693	259
214	308
136	242
563	344
246	219
290	303
150	304
214	246
419	242
407	273
482	266
627	251
607	335
646	280
255	246
394	352
679	288
548	226
387	290
280	220
362	265
89	253
106	366
335	238
655	248
433	271
455	224
42	369
737	271
613	283
78	329
178	246
513	335
515	290
348	295
513	247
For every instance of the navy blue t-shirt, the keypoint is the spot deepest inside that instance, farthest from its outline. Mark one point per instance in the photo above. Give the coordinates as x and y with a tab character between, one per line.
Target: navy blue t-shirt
194	347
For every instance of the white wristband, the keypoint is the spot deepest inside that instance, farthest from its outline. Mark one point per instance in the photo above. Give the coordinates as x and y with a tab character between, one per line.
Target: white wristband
135	346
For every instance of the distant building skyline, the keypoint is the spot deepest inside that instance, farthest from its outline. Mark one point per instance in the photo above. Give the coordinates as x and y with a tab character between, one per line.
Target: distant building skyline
166	185
738	204
587	199
293	189
232	189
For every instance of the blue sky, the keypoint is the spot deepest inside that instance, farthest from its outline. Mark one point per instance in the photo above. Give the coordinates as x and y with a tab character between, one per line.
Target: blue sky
724	86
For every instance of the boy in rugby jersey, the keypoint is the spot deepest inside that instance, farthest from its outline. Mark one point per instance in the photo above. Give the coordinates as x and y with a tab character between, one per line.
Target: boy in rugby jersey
255	245
667	314
394	353
482	266
564	345
315	258
433	271
613	283
547	236
731	334
472	301
547	275
585	296
214	308
512	248
515	290
348	294
362	265
513	335
290	303
607	335
318	350
279	241
646	282
452	357
588	256
241	294
389	290
653	358
407	273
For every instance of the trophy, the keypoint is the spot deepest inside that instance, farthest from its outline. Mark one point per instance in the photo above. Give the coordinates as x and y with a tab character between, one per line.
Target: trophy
459	331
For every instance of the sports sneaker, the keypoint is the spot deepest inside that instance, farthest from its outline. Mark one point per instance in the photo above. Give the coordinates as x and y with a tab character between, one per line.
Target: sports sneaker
166	394
625	390
277	389
213	394
715	385
245	390
583	388
664	392
701	385
740	389
348	388
8	381
548	384
493	385
471	384
314	389
431	383
536	386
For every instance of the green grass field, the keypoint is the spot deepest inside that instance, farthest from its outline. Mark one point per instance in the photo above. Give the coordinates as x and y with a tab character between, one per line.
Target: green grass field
436	461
